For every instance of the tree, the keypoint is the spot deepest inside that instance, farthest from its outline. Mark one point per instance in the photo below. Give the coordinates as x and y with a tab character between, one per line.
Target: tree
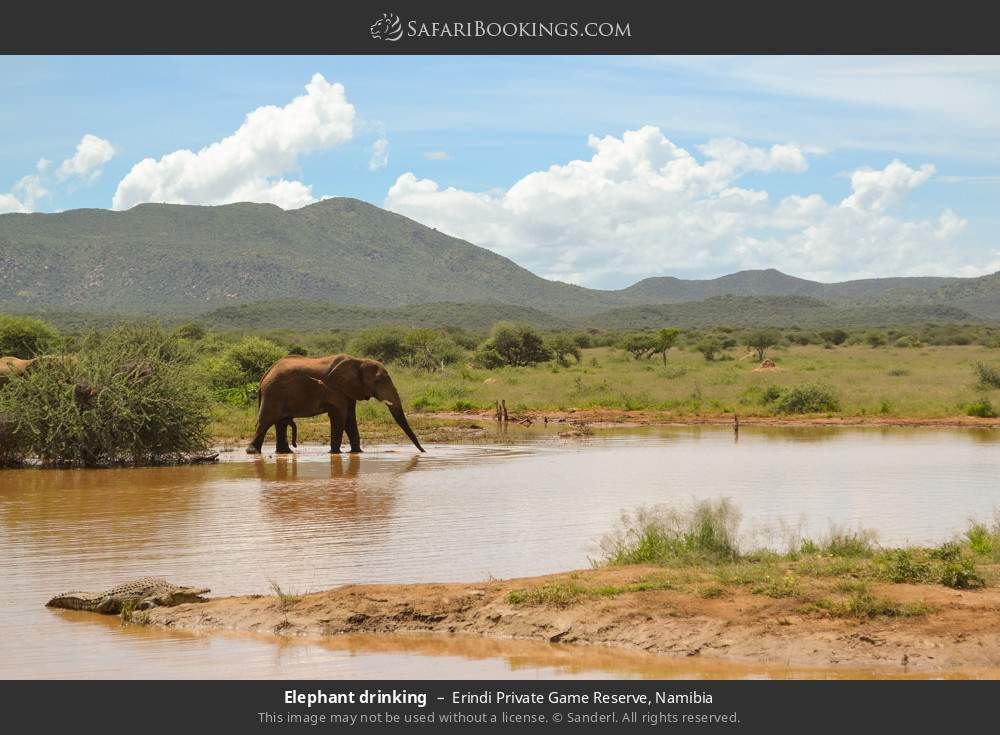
663	341
245	362
709	347
638	344
513	344
563	345
834	336
761	340
429	349
25	337
384	344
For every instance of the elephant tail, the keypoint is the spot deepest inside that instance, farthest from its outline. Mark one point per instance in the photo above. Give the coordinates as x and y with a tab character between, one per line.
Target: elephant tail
295	433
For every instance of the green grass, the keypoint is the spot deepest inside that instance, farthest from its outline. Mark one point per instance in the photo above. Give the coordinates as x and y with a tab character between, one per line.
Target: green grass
861	604
285	601
930	382
565	593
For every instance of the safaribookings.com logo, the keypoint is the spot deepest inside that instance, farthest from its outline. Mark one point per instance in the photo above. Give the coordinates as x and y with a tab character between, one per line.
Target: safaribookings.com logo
390	28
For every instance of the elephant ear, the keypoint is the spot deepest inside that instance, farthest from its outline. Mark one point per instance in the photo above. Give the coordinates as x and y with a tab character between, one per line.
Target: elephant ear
347	377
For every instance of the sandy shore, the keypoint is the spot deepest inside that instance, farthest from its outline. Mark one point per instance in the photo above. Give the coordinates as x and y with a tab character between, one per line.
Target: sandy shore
609	418
960	633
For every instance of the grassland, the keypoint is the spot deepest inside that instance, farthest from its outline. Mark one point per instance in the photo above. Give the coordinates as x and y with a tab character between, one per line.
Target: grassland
885	383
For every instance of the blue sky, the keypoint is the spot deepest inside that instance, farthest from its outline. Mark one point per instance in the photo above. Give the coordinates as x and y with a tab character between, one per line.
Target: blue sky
471	141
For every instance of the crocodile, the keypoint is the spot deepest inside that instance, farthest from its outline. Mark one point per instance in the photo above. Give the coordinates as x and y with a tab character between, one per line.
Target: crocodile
138	594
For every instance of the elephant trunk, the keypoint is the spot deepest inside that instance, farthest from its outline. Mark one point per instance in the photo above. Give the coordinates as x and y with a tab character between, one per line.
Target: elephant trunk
387	393
397	413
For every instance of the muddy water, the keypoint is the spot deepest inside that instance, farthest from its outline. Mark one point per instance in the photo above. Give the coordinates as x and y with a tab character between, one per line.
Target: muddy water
459	513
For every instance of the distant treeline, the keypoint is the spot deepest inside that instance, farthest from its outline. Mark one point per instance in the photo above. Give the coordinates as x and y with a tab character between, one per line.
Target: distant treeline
785	312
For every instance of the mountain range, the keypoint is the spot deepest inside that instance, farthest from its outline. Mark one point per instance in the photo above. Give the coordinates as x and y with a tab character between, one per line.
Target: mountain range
347	260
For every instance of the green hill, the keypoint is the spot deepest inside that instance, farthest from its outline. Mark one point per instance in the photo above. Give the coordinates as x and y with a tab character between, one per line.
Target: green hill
349	261
164	258
776	311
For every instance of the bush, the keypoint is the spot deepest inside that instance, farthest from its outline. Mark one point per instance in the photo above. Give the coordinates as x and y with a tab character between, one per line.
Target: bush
709	347
812	398
563	346
429	349
384	344
981	408
989	376
25	337
118	401
834	336
874	339
512	344
983	539
661	534
245	362
771	394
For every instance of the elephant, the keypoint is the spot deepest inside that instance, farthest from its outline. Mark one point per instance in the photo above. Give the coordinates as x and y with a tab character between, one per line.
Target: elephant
297	387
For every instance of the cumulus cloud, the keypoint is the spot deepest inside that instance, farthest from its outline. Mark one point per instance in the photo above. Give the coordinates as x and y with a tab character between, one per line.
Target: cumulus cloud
91	154
250	164
27	191
380	154
437	155
879	190
642	205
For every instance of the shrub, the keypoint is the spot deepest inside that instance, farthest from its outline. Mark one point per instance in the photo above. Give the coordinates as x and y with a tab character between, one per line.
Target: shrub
513	344
661	534
989	376
709	347
981	408
563	346
983	539
834	336
961	574
191	331
811	398
848	544
771	394
901	565
118	401
874	338
384	344
25	337
245	362
429	349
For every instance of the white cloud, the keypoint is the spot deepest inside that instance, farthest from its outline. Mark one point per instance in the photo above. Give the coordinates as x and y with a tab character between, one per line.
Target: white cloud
27	191
642	205
248	165
380	154
437	155
91	154
879	190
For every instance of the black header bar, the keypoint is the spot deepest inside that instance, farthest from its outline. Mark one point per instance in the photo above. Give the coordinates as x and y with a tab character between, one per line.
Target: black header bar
513	27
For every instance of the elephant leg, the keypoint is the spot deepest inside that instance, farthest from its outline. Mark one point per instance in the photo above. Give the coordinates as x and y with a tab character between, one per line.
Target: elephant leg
337	423
353	435
258	439
281	431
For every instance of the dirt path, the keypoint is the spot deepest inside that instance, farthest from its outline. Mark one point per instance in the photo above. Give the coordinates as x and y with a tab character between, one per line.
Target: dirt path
961	633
